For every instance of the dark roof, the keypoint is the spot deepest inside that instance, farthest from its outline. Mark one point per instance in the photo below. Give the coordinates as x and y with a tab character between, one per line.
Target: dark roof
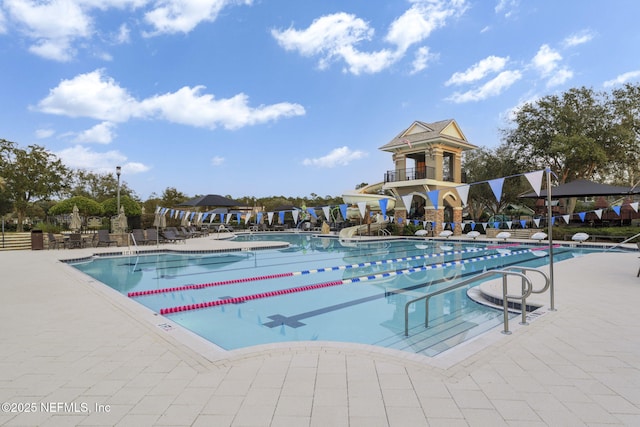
432	132
213	200
582	188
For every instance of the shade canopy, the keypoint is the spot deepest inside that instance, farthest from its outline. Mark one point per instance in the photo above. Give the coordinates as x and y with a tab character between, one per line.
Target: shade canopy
582	188
213	200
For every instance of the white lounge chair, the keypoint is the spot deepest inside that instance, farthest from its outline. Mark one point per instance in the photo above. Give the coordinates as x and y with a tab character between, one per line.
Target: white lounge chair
446	233
473	234
503	235
580	237
539	236
421	233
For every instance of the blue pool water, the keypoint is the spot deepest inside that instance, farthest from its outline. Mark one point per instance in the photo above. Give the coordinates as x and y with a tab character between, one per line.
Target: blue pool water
370	282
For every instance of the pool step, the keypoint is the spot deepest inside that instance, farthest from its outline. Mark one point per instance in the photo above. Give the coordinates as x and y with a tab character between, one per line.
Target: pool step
445	332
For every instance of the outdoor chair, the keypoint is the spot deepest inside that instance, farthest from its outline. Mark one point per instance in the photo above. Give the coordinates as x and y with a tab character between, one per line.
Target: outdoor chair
138	237
171	236
75	241
105	239
54	242
153	237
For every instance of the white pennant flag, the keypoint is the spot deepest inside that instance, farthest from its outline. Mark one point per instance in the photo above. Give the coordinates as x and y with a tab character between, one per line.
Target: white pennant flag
535	180
598	212
566	218
246	218
270	217
363	207
634	206
213	216
509	224
463	192
537	222
484	225
496	187
407	201
327	212
295	216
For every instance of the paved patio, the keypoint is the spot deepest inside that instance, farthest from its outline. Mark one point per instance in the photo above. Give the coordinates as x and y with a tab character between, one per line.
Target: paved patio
74	352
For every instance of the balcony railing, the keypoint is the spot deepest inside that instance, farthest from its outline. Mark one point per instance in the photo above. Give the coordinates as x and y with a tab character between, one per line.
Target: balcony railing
426	172
410	174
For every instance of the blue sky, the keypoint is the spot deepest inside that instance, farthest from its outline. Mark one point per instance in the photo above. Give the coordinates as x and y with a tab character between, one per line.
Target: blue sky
288	97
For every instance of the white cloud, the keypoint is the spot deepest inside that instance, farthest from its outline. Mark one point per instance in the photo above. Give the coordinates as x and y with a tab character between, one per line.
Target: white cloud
622	78
44	133
546	60
52	25
494	87
101	133
420	20
506	7
579	38
337	36
422	59
478	71
182	16
98	96
91	95
79	157
188	106
217	160
57	27
560	77
337	157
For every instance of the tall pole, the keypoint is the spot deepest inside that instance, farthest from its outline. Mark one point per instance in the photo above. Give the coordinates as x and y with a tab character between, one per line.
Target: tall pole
118	171
550	225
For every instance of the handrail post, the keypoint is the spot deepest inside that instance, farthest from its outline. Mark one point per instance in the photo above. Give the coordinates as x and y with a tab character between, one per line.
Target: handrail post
523	303
505	305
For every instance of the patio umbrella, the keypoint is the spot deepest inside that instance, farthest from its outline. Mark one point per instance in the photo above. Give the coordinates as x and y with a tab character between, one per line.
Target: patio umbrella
76	222
160	221
213	200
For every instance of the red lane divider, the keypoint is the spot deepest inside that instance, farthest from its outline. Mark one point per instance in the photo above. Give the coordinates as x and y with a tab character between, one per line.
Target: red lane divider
207	285
237	300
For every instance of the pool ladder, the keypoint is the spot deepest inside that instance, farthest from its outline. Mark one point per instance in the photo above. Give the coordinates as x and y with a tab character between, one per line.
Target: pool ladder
517	271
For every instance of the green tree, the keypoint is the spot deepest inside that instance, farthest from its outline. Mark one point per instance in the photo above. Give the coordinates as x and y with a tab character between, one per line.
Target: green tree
578	134
131	207
485	164
30	174
86	206
97	186
172	197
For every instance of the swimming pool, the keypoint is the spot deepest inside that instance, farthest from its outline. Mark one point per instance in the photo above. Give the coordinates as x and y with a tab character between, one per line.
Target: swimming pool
319	288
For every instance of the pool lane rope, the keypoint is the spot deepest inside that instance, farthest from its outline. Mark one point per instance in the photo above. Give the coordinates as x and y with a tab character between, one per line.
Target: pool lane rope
241	299
311	271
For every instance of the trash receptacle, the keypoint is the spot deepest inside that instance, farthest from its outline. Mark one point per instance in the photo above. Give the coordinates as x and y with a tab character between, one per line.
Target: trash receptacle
37	240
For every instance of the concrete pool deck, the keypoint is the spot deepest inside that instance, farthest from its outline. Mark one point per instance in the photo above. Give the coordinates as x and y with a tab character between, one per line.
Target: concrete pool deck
74	352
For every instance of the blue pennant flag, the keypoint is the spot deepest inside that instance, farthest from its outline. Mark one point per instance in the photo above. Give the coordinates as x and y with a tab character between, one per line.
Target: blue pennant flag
523	223
415	222
473	226
582	216
433	196
281	215
343	211
496	224
383	206
616	209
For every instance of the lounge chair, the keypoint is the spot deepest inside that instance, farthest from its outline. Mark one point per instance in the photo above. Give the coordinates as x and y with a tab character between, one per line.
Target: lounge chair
503	235
105	239
153	237
54	242
171	236
446	233
138	237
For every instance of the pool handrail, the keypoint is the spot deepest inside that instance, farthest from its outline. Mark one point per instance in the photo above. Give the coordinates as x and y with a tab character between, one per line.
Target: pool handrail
527	288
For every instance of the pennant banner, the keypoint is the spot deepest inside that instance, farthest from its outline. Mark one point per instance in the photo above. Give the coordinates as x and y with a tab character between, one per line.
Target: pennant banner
406	200
535	180
496	187
363	207
383	206
343	211
463	192
326	210
433	197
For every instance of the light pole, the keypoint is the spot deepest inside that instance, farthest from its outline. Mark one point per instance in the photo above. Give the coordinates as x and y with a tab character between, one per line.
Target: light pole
118	170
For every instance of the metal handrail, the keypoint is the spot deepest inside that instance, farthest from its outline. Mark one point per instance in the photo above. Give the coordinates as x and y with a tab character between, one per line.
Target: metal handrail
527	289
622	243
547	285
